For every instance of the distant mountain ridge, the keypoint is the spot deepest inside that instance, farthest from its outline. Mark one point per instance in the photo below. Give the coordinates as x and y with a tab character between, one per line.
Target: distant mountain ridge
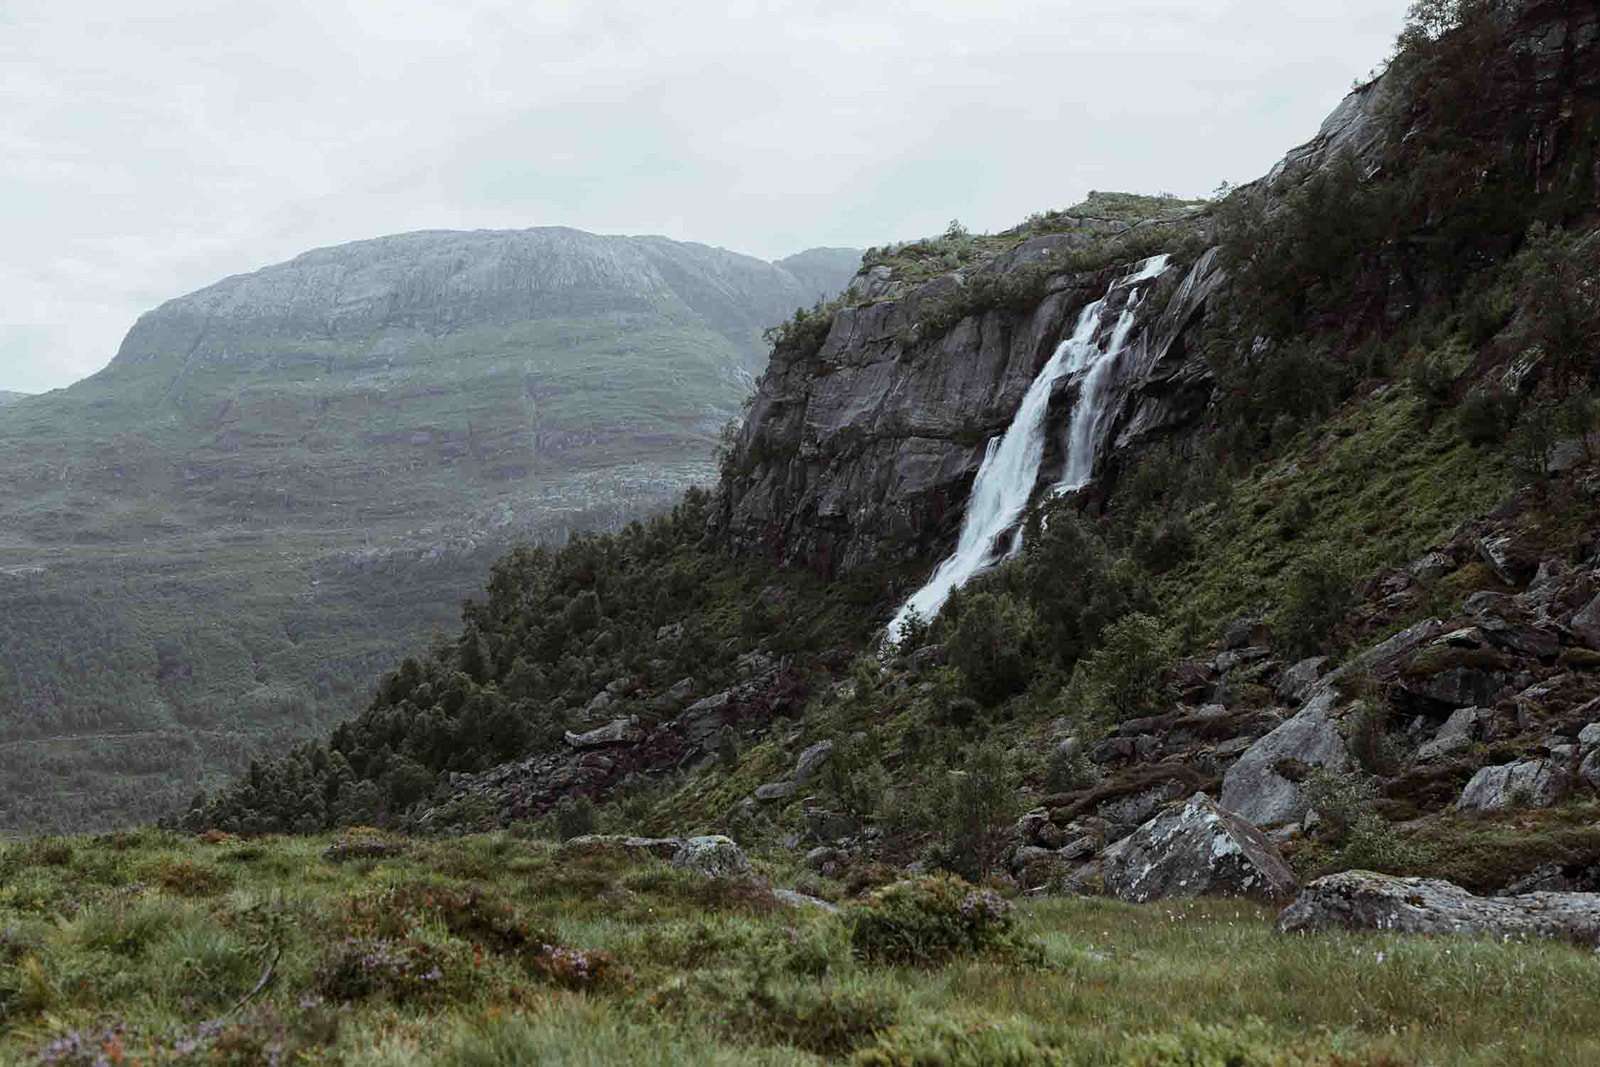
289	476
8	398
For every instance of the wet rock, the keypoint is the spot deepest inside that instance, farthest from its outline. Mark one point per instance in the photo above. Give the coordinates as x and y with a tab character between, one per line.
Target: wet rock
775	791
1029	856
1384	659
1534	783
1227	661
1362	900
1453	738
1253	788
1589	770
1112	750
811	762
1297	680
617	732
821	856
713	856
1195	849
1079	847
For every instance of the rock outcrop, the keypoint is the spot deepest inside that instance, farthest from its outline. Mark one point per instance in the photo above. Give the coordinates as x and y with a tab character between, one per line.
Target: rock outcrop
1197	849
1256	787
1362	900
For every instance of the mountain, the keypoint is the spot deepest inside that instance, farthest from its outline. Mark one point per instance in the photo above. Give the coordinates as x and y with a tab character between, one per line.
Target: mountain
8	398
286	479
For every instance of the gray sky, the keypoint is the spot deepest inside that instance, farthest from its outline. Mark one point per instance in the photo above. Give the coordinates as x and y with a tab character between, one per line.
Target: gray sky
151	147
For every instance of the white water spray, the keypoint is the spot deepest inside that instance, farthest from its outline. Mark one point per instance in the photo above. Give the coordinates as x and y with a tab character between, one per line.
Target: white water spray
1011	464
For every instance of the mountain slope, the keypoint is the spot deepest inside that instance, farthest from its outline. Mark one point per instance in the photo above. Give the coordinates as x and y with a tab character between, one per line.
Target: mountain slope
284	480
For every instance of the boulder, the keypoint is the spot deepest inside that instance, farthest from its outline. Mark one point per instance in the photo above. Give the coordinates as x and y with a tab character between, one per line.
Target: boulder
927	658
714	856
674	698
1521	638
1253	788
1586	624
602	700
1135	808
1196	849
1454	737
1383	659
592	844
1534	783
811	761
701	720
1503	556
1589	737
1589	770
1029	856
1242	633
616	732
1238	657
795	899
1362	900
1432	567
775	791
1296	681
828	826
672	631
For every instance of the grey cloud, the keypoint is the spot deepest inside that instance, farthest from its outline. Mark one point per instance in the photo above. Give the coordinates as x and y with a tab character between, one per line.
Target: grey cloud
148	149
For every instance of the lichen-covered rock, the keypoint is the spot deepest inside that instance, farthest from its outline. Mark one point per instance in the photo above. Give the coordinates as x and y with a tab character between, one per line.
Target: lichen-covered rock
1195	849
714	856
1362	900
774	791
1536	783
616	732
811	761
593	844
1296	682
1254	790
1454	737
1586	623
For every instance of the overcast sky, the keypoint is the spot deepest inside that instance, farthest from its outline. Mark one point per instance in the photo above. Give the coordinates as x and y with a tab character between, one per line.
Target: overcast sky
151	147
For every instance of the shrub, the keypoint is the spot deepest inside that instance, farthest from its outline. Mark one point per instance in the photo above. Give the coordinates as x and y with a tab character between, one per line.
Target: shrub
945	1043
1339	799
1316	595
1127	676
927	921
1371	745
357	968
575	817
1373	844
1485	417
993	645
189	879
1068	770
975	810
854	776
1251	1045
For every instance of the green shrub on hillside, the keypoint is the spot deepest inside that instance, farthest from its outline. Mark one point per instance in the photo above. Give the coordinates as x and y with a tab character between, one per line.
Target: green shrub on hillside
1125	678
993	645
927	921
1316	595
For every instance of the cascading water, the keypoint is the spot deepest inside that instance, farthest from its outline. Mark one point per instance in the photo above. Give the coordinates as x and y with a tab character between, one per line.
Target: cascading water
1011	464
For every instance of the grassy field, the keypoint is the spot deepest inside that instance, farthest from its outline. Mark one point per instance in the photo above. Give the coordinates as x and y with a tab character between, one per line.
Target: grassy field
143	947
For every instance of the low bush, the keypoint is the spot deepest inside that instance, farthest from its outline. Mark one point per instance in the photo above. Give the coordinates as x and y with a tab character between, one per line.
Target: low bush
929	920
575	817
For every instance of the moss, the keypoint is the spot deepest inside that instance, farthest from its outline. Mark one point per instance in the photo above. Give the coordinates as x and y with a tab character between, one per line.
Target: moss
1442	658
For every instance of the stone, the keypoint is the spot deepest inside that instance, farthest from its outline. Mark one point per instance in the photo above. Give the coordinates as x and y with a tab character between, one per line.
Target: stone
1242	633
1454	737
602	700
927	658
828	826
1228	660
672	631
1589	736
701	720
1383	659
595	761
620	687
590	844
1432	567
1589	770
1135	808
795	899
1028	827
1051	836
1254	790
1078	848
1196	849
1029	855
713	856
1297	680
616	732
674	698
1509	564
1520	638
775	791
1112	750
811	761
821	856
1586	624
1362	900
1533	783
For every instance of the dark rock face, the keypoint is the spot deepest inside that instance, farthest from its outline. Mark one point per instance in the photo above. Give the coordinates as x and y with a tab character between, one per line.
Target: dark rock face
865	451
1361	900
1196	849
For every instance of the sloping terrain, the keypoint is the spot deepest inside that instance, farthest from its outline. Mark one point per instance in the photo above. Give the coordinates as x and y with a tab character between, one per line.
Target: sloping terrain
286	480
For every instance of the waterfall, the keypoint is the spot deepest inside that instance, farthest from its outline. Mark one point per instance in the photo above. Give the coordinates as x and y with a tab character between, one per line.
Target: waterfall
1011	463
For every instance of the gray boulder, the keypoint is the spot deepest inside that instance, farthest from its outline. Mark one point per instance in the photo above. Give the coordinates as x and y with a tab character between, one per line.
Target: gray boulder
589	844
673	698
1296	681
1535	783
1503	556
1586	623
1254	790
774	791
1362	900
811	761
795	899
1196	849
1589	770
714	856
1454	737
616	732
